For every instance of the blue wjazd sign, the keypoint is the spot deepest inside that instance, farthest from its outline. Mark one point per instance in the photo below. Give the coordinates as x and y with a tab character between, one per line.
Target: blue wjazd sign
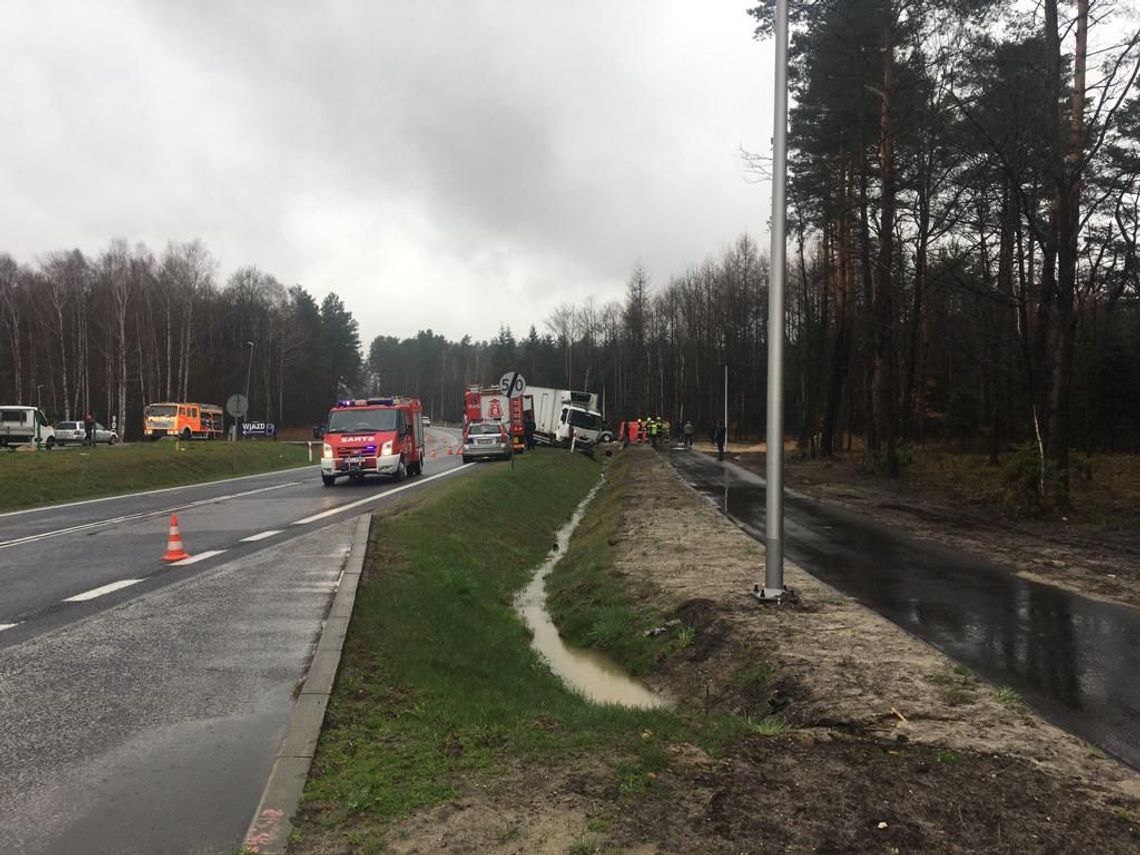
258	429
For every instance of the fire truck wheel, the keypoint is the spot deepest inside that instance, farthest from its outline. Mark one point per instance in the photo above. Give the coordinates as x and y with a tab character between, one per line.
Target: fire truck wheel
401	471
328	480
186	434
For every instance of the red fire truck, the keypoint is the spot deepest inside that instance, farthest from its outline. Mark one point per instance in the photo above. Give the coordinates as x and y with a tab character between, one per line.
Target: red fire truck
489	403
373	436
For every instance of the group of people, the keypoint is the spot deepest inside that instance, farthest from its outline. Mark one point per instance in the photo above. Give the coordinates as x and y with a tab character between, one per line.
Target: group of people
651	428
645	429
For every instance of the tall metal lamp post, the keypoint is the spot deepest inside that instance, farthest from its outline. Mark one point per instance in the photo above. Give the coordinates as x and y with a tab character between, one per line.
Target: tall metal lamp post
248	374
773	590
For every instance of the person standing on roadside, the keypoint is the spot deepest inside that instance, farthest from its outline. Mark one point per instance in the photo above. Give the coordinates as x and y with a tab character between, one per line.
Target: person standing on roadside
654	427
688	429
89	429
718	436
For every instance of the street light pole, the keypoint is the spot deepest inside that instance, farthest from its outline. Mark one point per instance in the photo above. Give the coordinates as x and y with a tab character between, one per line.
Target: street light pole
773	589
248	373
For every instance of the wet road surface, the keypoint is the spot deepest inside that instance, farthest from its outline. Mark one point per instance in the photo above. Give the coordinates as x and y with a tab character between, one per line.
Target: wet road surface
1074	660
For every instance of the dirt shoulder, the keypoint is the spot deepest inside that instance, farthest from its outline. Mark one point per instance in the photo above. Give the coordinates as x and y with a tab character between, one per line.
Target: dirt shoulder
887	747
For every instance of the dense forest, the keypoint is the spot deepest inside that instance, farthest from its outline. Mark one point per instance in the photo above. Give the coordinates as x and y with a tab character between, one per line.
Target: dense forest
964	207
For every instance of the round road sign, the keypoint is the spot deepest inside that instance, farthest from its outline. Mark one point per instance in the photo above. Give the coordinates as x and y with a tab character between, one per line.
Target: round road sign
237	405
512	384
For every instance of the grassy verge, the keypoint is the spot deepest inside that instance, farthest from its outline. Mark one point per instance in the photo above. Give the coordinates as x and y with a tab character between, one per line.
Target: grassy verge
28	479
439	688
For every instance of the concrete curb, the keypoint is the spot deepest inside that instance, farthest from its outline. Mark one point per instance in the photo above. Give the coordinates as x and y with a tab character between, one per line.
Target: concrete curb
272	824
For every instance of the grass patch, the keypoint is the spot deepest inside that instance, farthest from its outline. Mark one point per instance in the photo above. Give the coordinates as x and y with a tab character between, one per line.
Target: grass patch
771	725
958	686
29	479
1010	698
439	685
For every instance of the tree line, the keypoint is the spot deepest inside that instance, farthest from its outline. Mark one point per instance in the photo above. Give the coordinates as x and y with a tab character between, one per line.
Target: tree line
963	205
111	333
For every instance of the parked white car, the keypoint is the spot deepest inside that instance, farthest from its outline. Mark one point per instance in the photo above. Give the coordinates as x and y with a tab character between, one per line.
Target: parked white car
75	432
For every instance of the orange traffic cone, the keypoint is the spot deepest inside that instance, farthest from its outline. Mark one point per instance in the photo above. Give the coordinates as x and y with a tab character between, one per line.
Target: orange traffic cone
174	550
433	454
449	451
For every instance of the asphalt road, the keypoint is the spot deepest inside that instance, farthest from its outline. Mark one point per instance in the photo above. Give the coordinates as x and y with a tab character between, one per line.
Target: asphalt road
141	703
1071	658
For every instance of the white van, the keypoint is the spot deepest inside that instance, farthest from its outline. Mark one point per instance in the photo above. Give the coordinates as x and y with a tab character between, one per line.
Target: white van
25	426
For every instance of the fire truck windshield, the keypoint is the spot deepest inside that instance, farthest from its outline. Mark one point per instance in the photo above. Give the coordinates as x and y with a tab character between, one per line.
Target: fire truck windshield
354	421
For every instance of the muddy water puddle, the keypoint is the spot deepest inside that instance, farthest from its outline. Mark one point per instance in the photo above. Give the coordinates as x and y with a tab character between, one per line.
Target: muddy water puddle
591	674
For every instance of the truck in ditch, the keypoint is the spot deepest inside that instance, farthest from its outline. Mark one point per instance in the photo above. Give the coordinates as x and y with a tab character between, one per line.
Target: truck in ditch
562	415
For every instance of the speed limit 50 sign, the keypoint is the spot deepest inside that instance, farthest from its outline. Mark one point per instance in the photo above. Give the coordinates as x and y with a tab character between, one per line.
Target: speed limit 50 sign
512	384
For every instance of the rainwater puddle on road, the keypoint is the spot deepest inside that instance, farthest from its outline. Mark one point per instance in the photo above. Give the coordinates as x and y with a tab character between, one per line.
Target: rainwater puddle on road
587	672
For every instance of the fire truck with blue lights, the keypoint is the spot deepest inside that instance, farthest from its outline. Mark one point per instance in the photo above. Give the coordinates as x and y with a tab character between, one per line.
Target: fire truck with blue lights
373	436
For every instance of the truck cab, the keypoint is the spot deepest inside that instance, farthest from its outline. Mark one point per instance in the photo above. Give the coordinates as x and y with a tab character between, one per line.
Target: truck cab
373	436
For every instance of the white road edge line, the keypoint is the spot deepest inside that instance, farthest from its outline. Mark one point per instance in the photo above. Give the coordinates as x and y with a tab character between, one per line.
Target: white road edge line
379	496
194	559
4	626
98	592
44	535
261	536
156	492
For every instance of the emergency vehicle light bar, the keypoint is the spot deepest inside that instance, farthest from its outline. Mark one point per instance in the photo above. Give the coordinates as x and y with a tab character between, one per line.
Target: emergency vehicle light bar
364	402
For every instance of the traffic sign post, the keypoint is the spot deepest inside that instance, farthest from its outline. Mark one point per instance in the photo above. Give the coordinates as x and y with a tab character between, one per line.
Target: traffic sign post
512	385
237	405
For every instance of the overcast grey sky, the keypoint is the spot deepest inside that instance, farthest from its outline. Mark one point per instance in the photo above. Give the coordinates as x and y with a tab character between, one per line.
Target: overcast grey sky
458	165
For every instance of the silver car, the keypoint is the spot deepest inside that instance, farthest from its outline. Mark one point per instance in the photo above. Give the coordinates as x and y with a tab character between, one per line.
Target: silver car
484	439
73	433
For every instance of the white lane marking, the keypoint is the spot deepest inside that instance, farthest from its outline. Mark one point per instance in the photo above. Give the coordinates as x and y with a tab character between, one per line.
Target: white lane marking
194	559
261	536
32	538
156	492
379	496
98	592
4	626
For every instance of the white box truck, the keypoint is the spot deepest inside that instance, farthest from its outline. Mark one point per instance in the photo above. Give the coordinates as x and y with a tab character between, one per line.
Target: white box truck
561	413
20	425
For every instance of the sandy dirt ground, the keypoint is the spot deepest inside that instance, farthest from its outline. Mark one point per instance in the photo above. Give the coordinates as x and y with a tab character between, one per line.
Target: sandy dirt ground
889	747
